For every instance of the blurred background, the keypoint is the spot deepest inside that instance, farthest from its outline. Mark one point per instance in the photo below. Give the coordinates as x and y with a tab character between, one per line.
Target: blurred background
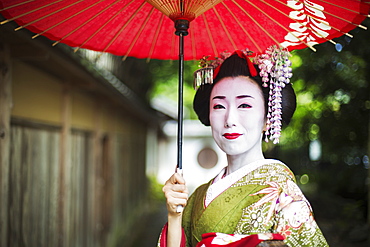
87	141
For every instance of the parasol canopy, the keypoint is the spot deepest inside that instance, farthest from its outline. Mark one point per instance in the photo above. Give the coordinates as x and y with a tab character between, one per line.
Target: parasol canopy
144	29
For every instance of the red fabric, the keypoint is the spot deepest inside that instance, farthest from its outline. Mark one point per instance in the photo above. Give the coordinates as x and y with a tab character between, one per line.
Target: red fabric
163	237
252	69
215	72
136	28
208	240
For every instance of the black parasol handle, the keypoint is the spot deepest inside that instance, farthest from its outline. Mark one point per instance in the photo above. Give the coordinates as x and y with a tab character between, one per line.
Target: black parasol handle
182	27
181	31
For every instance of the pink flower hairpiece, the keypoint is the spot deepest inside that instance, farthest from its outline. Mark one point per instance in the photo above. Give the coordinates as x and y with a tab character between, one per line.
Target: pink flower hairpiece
275	71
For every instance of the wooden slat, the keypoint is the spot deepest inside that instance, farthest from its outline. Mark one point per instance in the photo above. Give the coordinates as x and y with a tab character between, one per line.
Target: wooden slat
15	196
33	173
63	159
53	189
5	111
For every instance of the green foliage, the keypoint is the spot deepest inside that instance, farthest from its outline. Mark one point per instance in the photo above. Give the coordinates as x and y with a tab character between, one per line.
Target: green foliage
332	88
155	190
166	77
332	95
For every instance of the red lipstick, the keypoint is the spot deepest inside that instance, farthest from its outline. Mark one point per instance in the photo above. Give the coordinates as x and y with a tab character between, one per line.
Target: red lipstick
231	136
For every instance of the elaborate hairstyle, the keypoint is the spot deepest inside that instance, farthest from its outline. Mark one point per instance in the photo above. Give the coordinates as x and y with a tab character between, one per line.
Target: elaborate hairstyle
235	66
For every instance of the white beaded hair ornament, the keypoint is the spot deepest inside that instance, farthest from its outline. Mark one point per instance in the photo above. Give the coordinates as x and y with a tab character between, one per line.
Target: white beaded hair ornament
275	71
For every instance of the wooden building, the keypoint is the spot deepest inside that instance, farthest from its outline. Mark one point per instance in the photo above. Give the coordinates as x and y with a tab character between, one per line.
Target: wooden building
73	144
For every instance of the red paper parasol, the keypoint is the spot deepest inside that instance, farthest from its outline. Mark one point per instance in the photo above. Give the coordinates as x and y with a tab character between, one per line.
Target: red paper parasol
137	28
144	29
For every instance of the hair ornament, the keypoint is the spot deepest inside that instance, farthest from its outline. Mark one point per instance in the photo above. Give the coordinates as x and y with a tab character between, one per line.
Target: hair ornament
205	74
275	68
275	71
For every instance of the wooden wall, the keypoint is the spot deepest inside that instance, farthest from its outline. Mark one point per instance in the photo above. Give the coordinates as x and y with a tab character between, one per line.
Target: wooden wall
76	172
33	186
5	113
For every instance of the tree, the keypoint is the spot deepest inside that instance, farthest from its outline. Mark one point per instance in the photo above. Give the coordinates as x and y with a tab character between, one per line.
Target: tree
332	87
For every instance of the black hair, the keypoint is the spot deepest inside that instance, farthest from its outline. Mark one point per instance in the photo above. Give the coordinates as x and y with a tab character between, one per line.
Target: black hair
235	66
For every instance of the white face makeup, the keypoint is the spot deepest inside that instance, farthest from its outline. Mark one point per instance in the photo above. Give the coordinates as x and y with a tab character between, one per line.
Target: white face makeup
237	115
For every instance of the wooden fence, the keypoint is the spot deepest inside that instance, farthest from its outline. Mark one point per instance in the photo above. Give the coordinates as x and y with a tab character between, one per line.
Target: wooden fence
96	202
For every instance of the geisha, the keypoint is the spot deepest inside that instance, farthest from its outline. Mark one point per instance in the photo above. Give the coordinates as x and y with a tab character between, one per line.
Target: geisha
252	199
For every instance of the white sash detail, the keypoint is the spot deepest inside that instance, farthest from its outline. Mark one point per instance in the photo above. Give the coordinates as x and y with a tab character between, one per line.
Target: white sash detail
221	184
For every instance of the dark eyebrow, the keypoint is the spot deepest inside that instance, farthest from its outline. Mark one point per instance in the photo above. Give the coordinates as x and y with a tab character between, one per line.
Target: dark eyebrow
238	97
219	97
244	96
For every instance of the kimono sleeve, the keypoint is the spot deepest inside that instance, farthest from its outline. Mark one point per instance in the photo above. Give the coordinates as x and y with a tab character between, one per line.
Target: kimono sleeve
187	219
162	242
295	219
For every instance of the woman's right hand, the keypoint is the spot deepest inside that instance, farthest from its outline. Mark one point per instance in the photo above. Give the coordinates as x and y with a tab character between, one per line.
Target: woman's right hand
176	193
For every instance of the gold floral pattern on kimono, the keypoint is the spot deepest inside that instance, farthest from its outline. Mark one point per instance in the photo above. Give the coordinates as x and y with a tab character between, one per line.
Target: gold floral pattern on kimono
264	198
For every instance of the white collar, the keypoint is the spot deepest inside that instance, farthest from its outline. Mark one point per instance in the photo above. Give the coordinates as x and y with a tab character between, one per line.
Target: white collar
221	184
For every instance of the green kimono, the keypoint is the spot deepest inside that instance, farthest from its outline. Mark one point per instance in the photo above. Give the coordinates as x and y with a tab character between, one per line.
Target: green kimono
261	197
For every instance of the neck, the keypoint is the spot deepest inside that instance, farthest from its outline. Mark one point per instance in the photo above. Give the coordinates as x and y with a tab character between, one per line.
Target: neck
238	161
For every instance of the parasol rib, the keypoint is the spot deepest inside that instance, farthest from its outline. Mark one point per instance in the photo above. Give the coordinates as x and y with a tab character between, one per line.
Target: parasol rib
193	50
182	8
261	27
16	5
165	7
314	18
173	45
45	16
70	17
210	35
340	18
29	12
350	10
155	39
242	27
90	19
138	33
225	29
273	20
106	23
301	23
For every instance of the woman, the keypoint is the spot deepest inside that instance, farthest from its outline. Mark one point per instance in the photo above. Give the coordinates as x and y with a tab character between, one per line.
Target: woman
253	198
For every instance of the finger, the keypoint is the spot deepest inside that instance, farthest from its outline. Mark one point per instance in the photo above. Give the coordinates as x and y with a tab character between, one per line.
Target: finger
174	202
171	195
177	179
174	187
179	188
175	190
180	179
180	195
172	179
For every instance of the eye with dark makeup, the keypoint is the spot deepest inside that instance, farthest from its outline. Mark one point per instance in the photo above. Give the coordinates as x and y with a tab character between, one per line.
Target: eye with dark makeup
218	106
245	105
